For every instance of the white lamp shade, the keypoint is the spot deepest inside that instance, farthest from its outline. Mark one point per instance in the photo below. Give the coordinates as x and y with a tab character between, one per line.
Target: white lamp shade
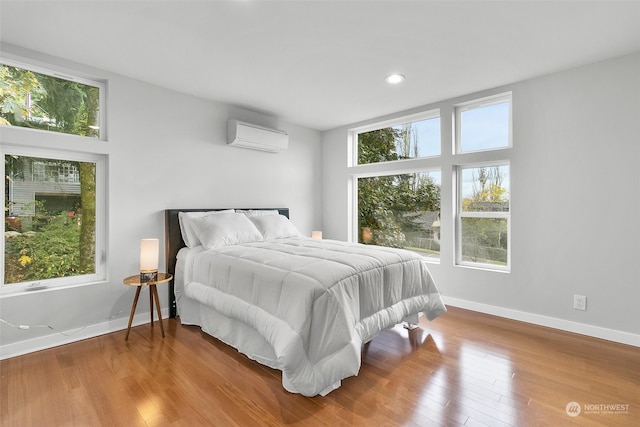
316	234
149	253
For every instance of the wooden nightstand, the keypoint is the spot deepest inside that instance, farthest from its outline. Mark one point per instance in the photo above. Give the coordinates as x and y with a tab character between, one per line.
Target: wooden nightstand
153	294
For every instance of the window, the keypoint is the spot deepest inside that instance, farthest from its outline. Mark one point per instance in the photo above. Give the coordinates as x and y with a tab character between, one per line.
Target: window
484	125
55	199
39	99
397	186
401	211
54	230
483	190
483	214
409	140
402	171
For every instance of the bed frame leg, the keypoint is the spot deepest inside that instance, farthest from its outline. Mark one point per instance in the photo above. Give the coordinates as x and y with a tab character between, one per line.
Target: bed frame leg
410	326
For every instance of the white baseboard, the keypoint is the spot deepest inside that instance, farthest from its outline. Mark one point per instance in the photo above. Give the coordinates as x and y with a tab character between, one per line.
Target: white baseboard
551	322
90	331
65	337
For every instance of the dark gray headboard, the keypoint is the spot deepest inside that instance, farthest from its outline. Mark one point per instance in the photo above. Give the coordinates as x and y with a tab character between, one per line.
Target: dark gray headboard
173	242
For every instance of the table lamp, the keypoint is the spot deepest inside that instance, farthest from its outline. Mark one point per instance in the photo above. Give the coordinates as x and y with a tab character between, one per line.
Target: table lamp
149	250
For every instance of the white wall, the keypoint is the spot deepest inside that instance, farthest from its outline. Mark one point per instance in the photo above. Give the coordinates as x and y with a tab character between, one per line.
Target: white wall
166	150
575	183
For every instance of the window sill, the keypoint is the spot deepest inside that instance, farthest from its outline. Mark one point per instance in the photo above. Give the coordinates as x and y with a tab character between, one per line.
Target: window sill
22	290
484	267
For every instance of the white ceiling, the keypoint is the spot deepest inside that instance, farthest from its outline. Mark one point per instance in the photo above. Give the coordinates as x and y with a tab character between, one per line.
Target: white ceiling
322	64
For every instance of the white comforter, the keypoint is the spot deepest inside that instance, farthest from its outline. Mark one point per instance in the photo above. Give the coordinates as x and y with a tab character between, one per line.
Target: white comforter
315	302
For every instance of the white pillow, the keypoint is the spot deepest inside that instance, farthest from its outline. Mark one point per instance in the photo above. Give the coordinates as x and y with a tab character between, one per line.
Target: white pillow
187	228
226	229
275	226
256	212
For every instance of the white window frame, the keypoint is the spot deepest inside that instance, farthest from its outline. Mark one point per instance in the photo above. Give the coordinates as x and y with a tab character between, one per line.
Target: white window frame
101	221
417	117
498	156
355	227
479	103
64	74
449	162
460	214
62	146
392	167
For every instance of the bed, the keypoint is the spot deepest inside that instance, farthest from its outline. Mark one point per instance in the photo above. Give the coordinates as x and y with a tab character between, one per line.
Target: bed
300	305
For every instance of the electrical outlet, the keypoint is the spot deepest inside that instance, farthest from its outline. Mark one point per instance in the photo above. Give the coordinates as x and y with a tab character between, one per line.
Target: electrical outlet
580	302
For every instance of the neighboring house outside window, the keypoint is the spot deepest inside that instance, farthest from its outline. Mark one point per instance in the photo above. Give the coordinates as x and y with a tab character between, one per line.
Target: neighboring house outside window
43	180
55	199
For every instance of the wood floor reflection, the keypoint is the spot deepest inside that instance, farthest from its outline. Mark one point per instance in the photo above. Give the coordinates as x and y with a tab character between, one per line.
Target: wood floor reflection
464	368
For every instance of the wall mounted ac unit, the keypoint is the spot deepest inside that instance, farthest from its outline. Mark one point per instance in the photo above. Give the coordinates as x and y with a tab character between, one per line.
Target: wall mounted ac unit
247	135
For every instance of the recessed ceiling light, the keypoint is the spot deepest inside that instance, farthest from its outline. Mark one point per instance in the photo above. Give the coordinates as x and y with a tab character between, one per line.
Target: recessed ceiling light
394	79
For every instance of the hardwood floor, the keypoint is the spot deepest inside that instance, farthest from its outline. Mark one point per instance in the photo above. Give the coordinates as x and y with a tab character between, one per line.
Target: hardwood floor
464	368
